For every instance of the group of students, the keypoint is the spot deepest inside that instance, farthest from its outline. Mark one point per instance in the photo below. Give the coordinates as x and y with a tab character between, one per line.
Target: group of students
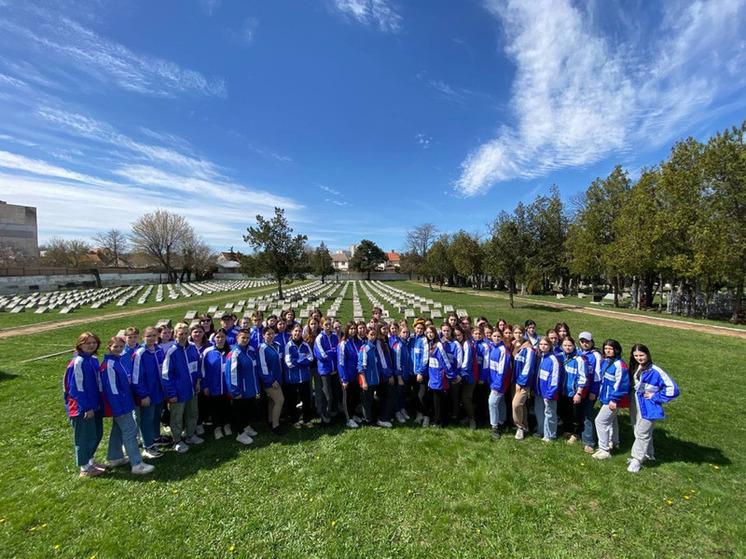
362	374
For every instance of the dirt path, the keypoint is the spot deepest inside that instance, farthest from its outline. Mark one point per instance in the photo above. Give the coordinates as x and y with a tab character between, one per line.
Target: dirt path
45	327
668	322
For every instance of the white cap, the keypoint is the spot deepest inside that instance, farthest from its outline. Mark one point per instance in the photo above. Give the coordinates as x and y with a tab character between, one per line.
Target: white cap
585	336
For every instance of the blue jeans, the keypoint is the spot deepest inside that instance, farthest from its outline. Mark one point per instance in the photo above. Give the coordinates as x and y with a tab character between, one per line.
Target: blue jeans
87	436
497	411
550	419
124	432
149	422
589	429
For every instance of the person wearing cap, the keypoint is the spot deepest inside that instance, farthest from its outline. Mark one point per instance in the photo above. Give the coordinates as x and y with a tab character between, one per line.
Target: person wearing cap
589	351
228	323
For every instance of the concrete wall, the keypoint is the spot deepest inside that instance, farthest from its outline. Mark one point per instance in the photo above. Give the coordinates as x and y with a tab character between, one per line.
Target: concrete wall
24	284
342	276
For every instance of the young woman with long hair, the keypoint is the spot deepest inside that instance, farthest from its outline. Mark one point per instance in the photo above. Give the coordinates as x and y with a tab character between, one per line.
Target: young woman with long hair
613	395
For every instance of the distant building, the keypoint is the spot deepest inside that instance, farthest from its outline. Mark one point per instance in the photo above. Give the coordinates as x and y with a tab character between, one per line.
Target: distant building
18	228
228	262
341	260
391	264
352	250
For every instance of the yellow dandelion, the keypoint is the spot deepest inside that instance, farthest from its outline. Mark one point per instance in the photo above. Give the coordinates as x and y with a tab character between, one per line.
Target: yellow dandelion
32	528
669	502
716	467
93	557
582	463
310	500
44	525
305	495
57	546
613	534
2	520
334	522
317	458
409	491
232	548
152	481
181	504
692	491
479	530
176	490
686	497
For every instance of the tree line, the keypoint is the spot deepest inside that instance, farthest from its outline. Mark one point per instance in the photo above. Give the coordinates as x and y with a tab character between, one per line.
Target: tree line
681	222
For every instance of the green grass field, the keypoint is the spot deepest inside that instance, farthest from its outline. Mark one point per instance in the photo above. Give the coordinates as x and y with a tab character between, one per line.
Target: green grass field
408	491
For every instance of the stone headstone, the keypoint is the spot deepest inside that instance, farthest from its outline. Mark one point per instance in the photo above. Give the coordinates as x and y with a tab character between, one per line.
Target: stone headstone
448	308
212	309
191	315
560	296
41	310
408	313
461	313
436	314
164	322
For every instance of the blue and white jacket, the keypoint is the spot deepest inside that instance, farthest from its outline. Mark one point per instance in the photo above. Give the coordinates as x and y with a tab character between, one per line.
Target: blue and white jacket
297	360
256	337
116	392
524	367
231	334
483	350
656	380
81	385
470	364
614	382
499	368
128	355
420	356
549	376
454	355
146	375
402	360
180	372
347	357
367	364
213	369
575	378
385	366
241	375
325	351
440	369
594	369
270	364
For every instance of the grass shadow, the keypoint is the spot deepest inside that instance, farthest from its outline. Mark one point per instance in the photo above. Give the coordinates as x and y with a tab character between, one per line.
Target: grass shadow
673	449
7	376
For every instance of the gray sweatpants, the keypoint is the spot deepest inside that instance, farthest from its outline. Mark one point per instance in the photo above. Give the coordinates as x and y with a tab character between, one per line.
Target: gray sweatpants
607	427
643	432
183	417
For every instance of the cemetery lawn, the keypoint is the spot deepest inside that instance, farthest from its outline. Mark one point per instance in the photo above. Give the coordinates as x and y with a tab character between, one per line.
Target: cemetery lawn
372	492
586	302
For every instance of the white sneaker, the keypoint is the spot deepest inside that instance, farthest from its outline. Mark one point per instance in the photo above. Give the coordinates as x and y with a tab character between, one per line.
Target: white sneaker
351	424
142	468
218	433
418	418
399	417
547	439
118	462
426	421
181	446
194	439
520	435
243	438
405	414
357	419
152	453
200	430
227	431
601	454
634	466
250	432
386	424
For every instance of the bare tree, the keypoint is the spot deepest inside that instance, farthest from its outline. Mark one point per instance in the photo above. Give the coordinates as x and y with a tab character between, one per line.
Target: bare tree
114	244
420	238
160	235
66	253
196	256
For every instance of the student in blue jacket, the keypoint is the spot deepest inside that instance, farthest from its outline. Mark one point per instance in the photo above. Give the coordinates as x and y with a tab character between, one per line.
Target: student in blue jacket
613	395
213	384
523	376
482	350
270	373
369	375
119	404
242	382
402	362
652	387
420	368
440	371
547	382
149	396
588	350
386	391
499	380
347	354
298	357
469	372
83	403
325	352
132	339
180	378
576	382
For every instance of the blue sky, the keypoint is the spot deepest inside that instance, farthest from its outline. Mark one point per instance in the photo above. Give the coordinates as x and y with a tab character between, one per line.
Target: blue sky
362	118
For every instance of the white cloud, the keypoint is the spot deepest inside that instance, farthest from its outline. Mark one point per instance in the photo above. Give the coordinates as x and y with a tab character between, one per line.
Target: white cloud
66	41
330	190
378	13
38	167
423	140
209	6
579	96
